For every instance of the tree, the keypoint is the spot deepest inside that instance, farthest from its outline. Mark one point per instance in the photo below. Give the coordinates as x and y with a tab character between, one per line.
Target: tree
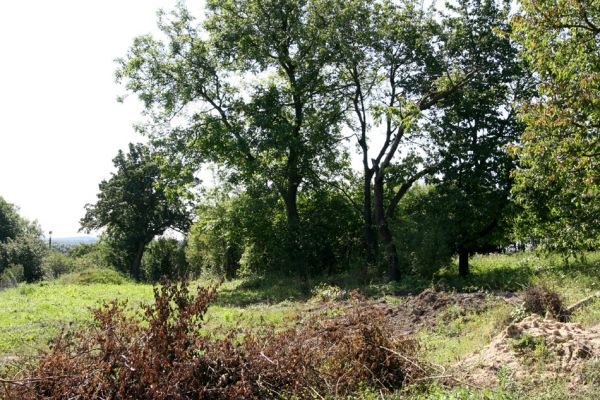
558	185
136	204
250	90
20	243
11	223
474	128
27	251
401	65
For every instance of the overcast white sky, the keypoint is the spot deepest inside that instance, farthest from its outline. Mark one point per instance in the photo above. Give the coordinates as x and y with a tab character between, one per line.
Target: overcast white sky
60	123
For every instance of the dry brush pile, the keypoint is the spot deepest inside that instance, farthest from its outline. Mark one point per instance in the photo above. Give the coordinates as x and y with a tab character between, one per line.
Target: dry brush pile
162	354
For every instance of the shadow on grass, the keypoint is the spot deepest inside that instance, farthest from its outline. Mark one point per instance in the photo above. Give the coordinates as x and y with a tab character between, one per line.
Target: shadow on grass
277	289
511	273
496	273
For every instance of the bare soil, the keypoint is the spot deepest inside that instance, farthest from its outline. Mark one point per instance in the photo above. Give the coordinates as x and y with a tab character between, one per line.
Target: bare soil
425	310
536	349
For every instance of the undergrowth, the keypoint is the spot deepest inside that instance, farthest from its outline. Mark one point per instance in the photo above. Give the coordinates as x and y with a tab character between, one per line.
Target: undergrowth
160	353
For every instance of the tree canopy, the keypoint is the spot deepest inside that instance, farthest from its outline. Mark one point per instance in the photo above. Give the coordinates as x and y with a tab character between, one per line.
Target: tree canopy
558	184
135	205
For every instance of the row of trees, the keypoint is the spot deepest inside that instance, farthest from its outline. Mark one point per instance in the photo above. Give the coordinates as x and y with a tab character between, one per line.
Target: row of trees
276	93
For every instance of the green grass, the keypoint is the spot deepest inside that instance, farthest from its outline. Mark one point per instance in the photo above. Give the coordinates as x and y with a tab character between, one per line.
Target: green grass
515	272
31	314
450	341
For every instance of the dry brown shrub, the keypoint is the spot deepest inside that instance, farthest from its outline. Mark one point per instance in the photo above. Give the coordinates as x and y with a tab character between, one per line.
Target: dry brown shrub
541	300
162	355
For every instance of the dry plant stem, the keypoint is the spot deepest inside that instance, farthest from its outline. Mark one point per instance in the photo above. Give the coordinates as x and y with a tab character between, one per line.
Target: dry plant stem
583	302
163	354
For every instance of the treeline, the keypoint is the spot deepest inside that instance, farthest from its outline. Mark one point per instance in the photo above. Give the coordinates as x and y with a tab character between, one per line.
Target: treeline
472	125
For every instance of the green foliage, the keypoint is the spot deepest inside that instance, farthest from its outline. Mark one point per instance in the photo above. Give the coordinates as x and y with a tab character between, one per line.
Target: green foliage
27	252
474	126
424	232
558	184
246	232
11	276
135	205
102	276
83	249
276	125
20	245
57	264
11	223
165	257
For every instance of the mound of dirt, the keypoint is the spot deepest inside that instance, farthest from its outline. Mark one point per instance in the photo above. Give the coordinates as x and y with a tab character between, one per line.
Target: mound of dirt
535	348
423	310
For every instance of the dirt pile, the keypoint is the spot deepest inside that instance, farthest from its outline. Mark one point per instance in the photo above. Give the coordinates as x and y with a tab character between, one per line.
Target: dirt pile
535	348
424	310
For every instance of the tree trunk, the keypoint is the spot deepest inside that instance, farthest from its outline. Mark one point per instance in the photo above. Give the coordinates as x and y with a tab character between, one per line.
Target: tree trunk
291	204
391	252
463	262
370	236
136	266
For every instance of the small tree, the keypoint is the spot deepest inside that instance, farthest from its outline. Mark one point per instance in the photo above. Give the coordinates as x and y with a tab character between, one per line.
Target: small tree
135	205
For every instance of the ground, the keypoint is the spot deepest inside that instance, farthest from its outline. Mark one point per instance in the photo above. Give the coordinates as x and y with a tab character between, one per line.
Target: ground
473	331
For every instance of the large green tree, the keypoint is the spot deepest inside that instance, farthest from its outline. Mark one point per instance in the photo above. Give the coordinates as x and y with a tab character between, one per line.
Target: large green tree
422	89
475	127
136	204
250	90
558	184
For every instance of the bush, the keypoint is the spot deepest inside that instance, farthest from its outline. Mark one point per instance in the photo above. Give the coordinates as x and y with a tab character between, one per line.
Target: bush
423	234
163	354
12	276
165	258
104	276
26	251
248	232
541	300
83	249
57	264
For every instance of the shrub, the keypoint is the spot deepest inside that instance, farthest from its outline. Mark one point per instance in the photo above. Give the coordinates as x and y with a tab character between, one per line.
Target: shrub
12	276
58	264
160	353
83	249
26	251
165	258
540	300
104	276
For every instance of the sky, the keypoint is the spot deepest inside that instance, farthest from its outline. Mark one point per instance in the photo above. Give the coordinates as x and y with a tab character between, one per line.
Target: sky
60	123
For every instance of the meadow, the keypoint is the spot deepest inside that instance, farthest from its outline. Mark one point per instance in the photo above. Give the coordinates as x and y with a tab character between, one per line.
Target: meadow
31	314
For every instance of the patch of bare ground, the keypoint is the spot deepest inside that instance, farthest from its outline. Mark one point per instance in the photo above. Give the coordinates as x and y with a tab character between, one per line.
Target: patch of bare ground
422	311
535	349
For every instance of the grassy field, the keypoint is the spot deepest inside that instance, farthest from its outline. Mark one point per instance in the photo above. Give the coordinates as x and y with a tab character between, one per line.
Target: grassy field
31	314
